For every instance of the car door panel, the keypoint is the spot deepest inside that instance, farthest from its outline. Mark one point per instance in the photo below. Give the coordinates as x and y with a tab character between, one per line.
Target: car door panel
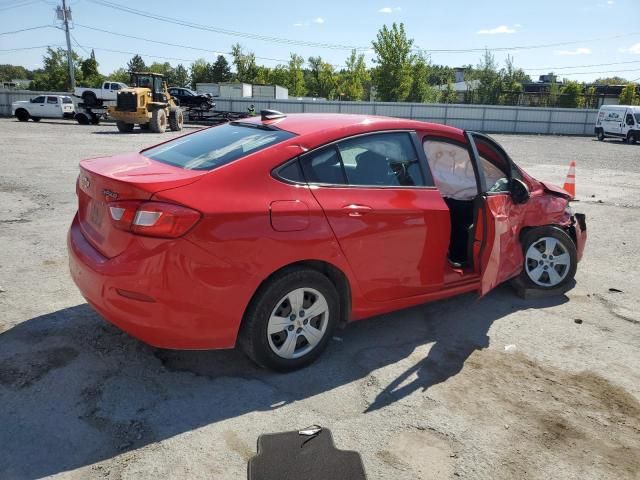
395	240
496	241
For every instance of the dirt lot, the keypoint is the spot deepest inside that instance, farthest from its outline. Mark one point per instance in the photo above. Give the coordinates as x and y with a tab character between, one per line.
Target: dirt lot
430	392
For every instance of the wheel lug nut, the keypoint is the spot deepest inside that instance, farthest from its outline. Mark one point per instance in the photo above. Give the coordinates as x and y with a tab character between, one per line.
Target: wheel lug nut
546	268
301	313
290	328
292	317
299	330
544	256
305	321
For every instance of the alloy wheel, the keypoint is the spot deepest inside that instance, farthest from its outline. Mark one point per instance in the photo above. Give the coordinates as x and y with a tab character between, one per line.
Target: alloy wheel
298	323
547	262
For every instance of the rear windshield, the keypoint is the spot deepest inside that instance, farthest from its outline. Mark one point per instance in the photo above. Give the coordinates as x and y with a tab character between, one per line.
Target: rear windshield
216	146
637	115
66	100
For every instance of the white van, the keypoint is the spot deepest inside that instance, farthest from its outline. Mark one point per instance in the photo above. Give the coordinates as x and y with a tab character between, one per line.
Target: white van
618	121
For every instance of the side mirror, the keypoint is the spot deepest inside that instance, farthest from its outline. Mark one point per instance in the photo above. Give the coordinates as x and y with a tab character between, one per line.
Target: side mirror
32	100
519	191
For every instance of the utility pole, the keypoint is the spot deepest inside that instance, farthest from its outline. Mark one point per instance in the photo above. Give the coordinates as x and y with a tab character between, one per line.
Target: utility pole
64	14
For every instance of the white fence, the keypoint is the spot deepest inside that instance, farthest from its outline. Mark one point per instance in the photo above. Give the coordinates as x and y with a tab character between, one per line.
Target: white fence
482	118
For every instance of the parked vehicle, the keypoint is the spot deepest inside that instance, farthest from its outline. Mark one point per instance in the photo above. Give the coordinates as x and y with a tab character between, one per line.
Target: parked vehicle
270	231
43	106
618	121
148	104
189	98
94	97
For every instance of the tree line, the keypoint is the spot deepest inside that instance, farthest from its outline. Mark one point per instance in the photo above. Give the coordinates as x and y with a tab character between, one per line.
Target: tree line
399	73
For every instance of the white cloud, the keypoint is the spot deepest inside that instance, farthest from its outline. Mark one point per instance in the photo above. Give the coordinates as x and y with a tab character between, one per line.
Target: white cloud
299	24
319	20
610	2
306	23
577	51
500	29
388	10
635	48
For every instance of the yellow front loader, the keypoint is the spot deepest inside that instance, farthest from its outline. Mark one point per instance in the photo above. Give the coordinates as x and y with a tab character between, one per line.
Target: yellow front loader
146	103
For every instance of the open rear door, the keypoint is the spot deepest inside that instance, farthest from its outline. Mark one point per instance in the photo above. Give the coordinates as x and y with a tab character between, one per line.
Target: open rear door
496	247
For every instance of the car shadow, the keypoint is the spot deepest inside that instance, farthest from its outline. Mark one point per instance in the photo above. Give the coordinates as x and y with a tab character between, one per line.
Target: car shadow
75	390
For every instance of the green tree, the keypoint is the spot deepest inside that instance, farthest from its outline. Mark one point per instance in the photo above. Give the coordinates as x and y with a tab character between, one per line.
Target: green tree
55	74
449	94
490	85
511	79
421	91
136	64
220	70
394	58
295	80
571	95
14	72
200	72
353	77
120	75
591	97
245	63
629	95
611	81
91	77
180	76
279	75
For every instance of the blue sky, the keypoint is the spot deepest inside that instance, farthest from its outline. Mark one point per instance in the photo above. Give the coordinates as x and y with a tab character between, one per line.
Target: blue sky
436	25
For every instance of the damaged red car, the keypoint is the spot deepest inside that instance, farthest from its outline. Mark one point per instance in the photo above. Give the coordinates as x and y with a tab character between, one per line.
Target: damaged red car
267	233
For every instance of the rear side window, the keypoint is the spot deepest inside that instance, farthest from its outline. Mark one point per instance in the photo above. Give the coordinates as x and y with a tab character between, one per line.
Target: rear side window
52	100
324	166
217	146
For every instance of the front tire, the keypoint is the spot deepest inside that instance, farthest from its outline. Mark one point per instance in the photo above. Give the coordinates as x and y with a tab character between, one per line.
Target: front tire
124	127
632	137
176	119
35	119
158	123
291	320
550	259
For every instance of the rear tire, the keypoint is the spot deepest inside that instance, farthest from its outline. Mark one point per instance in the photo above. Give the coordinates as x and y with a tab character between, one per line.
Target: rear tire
205	106
277	332
158	123
600	135
95	119
176	119
550	259
22	115
35	119
124	127
82	119
632	137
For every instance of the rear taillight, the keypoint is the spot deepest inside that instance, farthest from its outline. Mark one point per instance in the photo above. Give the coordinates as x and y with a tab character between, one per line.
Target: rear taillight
153	219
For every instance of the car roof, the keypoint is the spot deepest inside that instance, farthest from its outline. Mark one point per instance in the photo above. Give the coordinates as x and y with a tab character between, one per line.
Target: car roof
341	124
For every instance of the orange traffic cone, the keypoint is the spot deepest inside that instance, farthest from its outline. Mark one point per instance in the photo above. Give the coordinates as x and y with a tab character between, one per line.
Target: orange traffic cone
570	182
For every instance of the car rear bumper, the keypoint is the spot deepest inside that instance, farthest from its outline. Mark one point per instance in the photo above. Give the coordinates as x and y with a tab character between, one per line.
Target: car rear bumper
169	294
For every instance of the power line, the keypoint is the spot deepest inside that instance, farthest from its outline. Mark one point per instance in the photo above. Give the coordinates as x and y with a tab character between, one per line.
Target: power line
287	41
18	4
223	31
29	48
550	69
25	29
190	47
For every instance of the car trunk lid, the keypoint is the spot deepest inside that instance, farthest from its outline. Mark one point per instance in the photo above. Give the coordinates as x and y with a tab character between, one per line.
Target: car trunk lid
121	177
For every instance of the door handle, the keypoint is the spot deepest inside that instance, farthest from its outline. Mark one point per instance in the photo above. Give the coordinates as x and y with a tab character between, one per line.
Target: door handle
354	210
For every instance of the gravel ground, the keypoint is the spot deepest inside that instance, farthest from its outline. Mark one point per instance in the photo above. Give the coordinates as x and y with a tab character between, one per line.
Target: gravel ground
429	392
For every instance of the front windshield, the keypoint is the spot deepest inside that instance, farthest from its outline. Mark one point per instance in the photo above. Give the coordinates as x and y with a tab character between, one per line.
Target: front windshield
216	146
637	115
189	92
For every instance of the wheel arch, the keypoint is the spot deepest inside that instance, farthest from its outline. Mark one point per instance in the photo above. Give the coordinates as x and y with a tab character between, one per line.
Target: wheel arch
335	275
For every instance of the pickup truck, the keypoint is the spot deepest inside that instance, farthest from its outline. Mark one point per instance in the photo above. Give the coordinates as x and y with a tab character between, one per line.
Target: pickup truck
93	97
43	106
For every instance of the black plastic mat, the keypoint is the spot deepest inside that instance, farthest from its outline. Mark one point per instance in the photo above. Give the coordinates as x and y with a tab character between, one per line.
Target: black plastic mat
295	456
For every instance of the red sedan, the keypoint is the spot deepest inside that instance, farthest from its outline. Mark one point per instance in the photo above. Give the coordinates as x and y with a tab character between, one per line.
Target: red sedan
267	233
